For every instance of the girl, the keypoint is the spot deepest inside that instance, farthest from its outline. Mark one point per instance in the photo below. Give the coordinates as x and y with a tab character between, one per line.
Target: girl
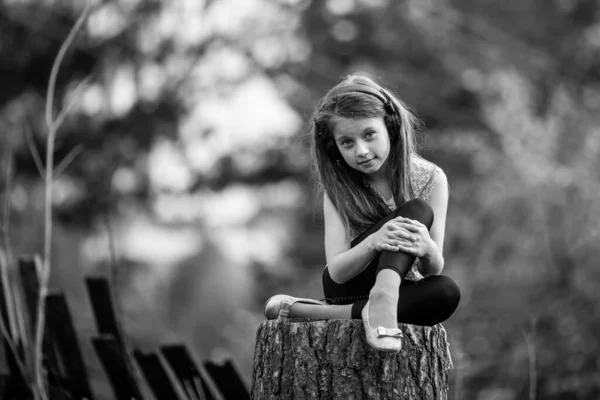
385	214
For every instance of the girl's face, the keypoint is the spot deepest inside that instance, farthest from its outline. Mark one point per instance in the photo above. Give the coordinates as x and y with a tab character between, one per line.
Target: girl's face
364	143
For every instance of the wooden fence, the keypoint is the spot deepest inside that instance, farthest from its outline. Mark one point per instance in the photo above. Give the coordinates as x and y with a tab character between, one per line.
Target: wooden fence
170	372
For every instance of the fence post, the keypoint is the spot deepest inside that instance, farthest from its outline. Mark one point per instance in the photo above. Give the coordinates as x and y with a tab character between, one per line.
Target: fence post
111	356
60	326
228	379
111	346
156	376
188	374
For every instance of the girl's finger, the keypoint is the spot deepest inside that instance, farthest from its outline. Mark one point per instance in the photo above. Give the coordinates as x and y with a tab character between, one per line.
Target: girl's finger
406	247
389	247
393	224
405	235
419	224
409	227
409	221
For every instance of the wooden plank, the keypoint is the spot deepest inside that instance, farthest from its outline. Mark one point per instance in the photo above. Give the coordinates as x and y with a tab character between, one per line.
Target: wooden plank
102	304
111	357
4	369
4	354
107	322
188	374
14	387
8	304
30	284
62	331
16	390
156	375
5	292
4	349
12	384
228	380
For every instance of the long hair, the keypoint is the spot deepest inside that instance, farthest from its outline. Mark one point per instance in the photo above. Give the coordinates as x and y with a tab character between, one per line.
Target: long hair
356	202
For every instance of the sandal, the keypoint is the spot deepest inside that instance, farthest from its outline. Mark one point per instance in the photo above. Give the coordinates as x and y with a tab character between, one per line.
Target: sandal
279	305
380	338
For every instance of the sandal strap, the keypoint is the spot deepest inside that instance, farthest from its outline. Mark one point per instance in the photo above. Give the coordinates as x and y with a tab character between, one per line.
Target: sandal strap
389	332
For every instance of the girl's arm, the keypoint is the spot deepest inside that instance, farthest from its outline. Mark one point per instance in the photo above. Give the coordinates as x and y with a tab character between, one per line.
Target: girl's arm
432	262
343	262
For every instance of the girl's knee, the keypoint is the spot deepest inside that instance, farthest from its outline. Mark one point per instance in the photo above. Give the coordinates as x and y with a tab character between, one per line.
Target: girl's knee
449	293
417	209
451	290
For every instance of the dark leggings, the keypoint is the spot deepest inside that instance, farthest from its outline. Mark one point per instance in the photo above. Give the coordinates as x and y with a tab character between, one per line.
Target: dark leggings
425	302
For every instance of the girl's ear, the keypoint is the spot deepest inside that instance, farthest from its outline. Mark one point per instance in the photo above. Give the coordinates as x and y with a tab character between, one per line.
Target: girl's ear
323	130
393	119
332	148
393	125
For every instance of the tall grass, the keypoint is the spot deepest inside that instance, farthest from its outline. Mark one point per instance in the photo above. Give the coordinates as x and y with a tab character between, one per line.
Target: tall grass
30	363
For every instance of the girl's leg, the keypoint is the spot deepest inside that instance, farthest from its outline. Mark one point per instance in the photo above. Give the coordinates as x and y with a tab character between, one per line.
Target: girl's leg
429	301
392	269
358	288
361	285
302	310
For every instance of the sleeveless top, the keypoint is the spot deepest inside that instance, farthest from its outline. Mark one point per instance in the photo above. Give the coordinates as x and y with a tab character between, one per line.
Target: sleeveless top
422	177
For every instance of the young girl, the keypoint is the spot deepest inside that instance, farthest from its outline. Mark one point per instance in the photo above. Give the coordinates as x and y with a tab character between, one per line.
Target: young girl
385	215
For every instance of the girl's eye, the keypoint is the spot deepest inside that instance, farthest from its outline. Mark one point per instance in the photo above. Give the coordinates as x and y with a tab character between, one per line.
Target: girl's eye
346	143
369	134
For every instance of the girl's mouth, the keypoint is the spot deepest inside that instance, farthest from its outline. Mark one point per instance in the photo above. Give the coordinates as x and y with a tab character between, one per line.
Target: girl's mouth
366	161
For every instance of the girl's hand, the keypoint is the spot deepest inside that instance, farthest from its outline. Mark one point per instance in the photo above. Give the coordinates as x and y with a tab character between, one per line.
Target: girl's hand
419	243
393	236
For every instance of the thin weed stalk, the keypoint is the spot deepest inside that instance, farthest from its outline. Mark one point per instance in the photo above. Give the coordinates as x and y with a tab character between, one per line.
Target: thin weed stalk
15	332
10	306
53	125
10	339
532	357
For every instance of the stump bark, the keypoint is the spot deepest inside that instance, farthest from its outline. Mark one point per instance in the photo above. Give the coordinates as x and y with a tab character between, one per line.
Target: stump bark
304	359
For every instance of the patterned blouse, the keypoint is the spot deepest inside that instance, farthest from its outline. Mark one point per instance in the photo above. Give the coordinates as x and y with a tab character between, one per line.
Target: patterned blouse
422	177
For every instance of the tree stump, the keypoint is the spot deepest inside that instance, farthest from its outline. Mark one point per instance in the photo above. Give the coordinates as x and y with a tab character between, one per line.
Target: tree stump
307	359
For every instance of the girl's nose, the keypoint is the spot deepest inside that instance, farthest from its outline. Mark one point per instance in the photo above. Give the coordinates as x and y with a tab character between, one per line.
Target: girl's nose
361	150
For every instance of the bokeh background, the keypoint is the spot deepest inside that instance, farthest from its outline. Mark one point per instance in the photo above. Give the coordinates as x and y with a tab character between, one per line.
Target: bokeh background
189	160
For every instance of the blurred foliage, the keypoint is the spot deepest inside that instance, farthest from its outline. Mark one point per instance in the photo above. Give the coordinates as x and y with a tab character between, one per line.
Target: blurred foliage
188	148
